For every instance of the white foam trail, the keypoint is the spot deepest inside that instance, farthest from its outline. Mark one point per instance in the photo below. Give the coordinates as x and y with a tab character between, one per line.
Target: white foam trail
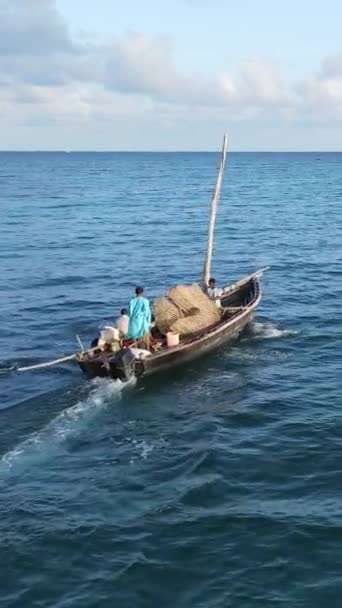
145	447
142	449
269	331
68	423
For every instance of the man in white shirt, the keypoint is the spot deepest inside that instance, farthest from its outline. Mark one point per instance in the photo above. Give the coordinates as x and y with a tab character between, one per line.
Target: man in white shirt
123	322
214	292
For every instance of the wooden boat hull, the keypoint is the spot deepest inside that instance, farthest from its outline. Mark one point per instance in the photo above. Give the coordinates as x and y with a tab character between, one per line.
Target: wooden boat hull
242	298
207	345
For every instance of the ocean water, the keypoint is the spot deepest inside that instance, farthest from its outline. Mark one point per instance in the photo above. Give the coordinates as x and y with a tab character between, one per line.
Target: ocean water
218	485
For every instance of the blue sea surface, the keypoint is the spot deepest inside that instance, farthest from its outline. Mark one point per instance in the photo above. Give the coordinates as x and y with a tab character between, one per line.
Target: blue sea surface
218	485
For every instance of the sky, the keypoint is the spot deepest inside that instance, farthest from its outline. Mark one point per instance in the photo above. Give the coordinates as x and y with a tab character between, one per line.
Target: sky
170	75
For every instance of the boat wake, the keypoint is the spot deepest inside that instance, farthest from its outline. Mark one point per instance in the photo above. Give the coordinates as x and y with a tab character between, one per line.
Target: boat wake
69	423
269	331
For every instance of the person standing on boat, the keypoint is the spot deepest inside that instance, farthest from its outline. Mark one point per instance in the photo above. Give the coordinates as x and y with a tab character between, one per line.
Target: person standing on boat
214	292
123	323
139	317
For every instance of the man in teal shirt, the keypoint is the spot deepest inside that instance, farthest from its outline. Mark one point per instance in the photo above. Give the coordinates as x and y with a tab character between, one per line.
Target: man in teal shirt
139	317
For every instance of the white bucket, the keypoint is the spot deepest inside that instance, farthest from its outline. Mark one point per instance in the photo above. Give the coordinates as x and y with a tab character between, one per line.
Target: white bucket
172	339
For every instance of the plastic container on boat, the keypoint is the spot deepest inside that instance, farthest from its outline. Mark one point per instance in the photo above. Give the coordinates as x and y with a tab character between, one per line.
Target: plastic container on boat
172	339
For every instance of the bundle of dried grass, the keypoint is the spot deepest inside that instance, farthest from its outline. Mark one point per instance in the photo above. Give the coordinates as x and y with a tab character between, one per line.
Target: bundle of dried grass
165	313
184	299
191	325
185	310
194	296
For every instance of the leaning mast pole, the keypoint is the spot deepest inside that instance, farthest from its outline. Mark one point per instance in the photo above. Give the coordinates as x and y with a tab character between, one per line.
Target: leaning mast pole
213	210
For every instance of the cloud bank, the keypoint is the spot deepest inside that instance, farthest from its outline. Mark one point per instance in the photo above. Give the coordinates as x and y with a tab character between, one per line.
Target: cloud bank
59	91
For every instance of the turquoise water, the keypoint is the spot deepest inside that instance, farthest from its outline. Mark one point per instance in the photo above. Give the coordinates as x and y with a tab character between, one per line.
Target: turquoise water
218	485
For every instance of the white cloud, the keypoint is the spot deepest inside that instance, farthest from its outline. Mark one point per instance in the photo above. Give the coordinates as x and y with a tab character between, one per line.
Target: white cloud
48	79
32	27
332	66
263	82
320	95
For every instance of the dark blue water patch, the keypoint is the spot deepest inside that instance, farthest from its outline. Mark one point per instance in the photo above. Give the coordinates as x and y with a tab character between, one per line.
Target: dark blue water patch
218	484
64	280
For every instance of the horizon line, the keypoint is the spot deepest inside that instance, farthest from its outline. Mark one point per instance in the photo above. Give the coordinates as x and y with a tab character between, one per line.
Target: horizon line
60	151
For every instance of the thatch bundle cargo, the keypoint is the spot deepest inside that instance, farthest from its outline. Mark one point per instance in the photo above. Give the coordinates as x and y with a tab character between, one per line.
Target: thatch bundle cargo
185	310
184	298
192	296
191	325
165	314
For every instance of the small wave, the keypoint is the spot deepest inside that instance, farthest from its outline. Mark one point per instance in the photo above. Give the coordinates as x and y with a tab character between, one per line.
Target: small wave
143	449
68	423
268	331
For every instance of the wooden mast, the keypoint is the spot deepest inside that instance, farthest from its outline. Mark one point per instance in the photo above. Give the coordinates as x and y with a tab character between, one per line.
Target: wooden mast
213	210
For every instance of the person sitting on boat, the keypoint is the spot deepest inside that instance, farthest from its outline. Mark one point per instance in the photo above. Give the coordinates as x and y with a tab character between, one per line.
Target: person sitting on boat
123	323
108	339
214	292
139	318
94	343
